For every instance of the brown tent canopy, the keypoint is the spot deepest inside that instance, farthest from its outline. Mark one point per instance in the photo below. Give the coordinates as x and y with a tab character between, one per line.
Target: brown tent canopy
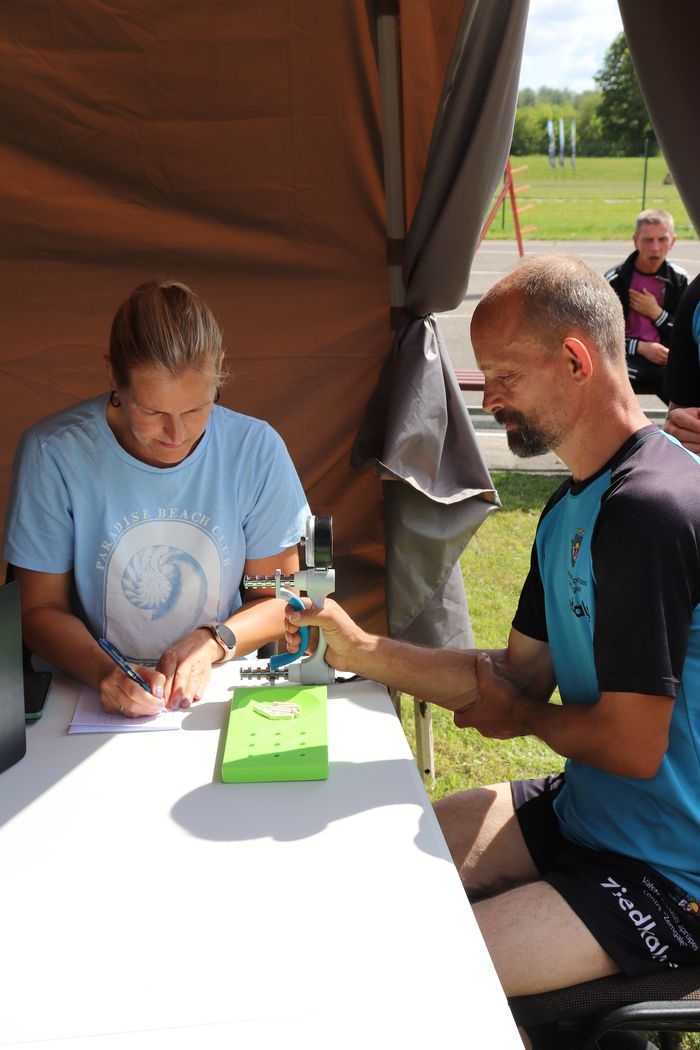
239	148
246	149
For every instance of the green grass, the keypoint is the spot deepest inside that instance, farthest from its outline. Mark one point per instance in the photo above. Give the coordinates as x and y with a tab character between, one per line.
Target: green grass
597	200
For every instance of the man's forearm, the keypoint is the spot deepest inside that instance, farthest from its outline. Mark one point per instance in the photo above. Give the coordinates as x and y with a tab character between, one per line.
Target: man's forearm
623	733
445	676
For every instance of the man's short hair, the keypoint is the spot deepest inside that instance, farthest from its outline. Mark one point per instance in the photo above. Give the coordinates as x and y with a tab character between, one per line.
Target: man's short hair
559	294
654	217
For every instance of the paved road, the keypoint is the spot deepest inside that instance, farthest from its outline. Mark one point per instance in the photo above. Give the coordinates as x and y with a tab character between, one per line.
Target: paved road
492	261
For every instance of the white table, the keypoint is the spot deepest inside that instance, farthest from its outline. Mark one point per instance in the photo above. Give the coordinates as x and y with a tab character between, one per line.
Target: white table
147	905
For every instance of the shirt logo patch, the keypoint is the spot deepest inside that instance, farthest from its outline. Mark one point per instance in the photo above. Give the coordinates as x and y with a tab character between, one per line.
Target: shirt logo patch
576	542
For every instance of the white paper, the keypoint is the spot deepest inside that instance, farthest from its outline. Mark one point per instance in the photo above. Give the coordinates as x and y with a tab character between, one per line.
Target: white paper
90	717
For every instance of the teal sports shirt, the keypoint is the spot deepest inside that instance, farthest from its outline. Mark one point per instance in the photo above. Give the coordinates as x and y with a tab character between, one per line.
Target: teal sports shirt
614	589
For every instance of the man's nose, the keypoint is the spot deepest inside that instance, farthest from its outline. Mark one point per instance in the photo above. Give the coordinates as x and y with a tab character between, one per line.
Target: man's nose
491	400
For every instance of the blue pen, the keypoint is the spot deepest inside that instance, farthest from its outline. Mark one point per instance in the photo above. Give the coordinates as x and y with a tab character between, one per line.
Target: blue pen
120	661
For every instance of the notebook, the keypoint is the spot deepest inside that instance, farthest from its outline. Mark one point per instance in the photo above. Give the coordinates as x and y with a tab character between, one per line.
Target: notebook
13	738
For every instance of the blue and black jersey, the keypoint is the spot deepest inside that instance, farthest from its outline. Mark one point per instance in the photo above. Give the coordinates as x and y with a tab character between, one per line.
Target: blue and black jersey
614	589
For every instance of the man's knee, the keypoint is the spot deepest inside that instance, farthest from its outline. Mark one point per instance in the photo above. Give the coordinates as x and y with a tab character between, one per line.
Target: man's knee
484	839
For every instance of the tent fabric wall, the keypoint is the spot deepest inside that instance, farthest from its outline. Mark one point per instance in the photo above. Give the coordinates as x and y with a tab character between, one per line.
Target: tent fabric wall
238	147
471	140
235	147
437	488
663	46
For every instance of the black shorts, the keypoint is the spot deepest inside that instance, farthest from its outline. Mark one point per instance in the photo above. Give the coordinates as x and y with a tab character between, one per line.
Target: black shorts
640	918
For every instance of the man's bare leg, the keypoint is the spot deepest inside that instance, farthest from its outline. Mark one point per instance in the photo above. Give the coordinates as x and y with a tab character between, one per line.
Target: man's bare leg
537	943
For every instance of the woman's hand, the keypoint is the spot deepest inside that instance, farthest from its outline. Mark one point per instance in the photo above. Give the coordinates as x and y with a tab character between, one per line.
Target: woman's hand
119	695
186	668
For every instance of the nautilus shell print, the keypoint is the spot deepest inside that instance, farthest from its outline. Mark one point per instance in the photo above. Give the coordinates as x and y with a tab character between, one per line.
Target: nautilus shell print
157	577
156	593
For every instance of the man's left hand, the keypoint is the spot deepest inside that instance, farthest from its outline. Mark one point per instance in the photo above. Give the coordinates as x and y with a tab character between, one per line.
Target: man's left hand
495	713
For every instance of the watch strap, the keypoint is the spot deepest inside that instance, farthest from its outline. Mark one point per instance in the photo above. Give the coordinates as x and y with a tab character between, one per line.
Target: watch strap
216	633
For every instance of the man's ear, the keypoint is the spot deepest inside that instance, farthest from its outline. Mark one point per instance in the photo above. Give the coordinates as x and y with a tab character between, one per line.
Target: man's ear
580	359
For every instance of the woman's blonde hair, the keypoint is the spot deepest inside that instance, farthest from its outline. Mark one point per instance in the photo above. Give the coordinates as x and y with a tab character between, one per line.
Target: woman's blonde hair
165	326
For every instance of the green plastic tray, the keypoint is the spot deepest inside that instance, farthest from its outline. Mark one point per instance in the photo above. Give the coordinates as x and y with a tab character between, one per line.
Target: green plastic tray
259	749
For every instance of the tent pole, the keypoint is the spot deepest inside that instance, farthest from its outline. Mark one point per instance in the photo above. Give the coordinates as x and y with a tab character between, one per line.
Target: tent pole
389	62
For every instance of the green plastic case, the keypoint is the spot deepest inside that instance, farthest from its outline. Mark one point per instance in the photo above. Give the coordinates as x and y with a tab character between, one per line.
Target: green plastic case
258	749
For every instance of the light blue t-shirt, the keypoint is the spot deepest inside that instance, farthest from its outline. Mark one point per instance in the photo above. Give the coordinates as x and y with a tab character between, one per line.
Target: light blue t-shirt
155	551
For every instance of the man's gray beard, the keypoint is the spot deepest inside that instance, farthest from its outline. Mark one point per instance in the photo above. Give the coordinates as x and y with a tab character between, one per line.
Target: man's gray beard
528	443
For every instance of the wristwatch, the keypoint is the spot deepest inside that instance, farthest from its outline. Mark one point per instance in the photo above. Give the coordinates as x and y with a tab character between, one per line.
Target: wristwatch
224	636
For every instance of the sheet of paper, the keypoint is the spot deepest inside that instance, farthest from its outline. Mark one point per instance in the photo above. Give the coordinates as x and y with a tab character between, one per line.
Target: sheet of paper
90	717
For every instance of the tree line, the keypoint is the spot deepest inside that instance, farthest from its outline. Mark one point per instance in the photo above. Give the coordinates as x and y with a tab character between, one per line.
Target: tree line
611	121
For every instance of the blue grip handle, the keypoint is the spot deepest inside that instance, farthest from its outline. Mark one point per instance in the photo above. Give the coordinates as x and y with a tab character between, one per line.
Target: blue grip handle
287	658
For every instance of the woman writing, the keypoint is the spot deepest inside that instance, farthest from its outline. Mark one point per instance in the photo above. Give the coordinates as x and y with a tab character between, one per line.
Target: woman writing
135	515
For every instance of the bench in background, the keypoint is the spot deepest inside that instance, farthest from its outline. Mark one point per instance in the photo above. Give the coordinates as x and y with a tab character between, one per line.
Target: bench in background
470	378
473	379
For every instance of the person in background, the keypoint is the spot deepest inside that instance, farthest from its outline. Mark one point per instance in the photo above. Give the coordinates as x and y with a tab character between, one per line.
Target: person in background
135	515
593	870
649	288
683	372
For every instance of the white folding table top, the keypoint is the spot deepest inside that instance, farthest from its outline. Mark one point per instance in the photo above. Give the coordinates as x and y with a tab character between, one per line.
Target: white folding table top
148	905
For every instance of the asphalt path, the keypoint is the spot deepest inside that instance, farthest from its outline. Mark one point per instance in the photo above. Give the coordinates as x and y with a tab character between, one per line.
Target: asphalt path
492	261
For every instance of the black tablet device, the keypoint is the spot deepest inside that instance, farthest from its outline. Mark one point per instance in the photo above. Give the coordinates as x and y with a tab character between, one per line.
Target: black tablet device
13	735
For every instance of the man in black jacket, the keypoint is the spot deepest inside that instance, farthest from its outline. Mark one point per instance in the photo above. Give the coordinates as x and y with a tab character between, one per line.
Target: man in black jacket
683	373
649	288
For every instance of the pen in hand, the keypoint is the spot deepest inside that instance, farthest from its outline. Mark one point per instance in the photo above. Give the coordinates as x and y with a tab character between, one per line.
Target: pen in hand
122	664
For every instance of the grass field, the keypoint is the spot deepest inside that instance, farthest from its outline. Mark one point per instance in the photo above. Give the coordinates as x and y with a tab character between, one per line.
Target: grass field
597	200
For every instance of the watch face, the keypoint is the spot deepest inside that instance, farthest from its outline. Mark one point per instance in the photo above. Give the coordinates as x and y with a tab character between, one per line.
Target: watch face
226	635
